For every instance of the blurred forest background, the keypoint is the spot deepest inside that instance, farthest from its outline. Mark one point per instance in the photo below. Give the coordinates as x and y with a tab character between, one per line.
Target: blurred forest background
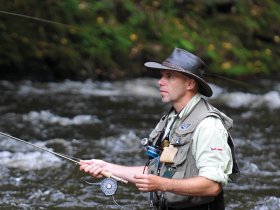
111	39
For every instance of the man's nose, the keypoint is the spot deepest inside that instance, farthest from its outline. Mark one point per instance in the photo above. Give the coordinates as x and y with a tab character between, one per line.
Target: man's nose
161	81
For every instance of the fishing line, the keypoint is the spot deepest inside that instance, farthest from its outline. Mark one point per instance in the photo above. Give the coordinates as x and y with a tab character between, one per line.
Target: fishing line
234	81
70	26
108	186
35	18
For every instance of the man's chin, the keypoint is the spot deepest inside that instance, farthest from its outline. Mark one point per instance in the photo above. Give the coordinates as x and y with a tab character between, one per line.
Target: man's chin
165	100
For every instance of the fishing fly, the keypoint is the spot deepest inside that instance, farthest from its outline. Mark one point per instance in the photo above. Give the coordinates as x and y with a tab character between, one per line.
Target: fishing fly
108	186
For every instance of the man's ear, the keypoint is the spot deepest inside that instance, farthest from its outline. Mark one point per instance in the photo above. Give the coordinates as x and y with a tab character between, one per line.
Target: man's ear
190	84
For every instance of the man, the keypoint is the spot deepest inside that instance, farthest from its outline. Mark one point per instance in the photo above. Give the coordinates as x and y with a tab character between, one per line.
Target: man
191	154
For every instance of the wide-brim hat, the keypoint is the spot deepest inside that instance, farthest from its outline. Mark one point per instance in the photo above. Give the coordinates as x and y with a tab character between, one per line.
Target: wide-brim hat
187	63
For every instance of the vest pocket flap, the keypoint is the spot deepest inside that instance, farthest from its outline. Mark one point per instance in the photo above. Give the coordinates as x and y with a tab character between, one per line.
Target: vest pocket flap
181	135
181	155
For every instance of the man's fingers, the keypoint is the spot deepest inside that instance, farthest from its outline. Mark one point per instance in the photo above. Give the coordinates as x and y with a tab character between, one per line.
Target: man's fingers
88	168
87	161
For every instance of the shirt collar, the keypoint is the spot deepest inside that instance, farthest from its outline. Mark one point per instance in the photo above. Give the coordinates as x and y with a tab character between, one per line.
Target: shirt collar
190	105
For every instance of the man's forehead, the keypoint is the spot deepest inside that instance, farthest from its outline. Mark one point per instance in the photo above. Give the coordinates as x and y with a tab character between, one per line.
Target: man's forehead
172	72
164	71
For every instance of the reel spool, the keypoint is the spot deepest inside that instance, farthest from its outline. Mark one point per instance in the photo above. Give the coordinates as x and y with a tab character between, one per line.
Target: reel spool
108	186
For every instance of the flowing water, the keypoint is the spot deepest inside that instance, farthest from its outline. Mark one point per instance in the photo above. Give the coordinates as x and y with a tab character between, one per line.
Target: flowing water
107	120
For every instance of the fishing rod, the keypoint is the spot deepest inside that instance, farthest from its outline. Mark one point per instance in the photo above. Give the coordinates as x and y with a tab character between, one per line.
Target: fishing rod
72	159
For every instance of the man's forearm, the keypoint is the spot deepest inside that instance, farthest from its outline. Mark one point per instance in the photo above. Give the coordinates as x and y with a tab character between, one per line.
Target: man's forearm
125	172
196	186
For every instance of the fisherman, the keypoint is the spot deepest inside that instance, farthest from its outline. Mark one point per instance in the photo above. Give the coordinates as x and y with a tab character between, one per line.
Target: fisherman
191	153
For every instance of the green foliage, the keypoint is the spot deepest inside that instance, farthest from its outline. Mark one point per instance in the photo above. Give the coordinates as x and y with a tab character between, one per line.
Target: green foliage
111	39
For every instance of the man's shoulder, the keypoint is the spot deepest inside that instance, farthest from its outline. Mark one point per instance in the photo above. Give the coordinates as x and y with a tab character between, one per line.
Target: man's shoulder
211	121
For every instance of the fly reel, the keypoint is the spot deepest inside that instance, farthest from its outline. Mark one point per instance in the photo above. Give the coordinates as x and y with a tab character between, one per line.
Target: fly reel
108	186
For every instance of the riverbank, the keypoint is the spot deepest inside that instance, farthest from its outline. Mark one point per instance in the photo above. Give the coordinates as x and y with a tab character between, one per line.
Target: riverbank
111	40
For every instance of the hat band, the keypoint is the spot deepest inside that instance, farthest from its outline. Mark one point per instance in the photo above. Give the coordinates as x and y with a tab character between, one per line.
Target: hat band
197	72
171	65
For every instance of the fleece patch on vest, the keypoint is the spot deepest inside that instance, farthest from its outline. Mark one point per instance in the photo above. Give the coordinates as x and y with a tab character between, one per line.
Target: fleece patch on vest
184	127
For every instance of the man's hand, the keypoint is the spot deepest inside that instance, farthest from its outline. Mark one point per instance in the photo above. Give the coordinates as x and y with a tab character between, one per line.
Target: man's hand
150	183
93	167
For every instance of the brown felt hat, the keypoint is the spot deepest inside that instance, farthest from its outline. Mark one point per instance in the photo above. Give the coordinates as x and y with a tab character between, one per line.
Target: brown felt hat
186	63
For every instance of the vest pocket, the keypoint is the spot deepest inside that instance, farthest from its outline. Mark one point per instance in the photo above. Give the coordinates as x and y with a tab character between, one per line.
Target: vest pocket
181	137
181	156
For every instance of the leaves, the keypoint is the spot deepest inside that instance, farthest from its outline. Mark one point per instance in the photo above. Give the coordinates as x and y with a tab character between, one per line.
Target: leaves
112	39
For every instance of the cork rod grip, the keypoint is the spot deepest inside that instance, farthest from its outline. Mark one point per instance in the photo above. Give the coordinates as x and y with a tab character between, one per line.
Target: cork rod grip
110	175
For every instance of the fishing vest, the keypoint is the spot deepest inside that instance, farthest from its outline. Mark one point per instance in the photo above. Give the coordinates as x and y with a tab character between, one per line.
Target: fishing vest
184	165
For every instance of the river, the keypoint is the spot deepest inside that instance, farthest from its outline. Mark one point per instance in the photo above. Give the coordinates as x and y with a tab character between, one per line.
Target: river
107	120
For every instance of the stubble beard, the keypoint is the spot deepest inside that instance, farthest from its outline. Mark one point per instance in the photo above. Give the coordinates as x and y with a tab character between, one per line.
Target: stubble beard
165	99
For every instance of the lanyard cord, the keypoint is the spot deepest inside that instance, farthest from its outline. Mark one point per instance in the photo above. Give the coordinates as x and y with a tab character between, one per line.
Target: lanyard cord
160	138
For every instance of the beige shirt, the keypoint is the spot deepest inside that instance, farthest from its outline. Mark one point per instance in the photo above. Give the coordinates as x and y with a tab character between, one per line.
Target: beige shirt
210	148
